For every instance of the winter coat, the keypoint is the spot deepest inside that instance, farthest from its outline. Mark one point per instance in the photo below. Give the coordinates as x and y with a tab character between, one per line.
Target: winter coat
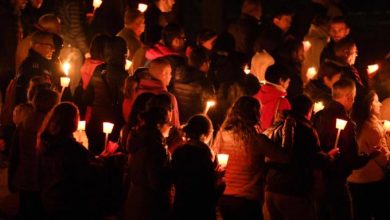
318	91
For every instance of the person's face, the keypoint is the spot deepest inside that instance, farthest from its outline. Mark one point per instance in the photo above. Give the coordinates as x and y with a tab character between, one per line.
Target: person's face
349	100
167	5
178	43
351	55
284	22
376	106
165	128
167	75
338	31
138	26
45	47
19	4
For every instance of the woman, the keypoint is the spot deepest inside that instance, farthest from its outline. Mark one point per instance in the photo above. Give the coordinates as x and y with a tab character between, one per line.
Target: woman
148	196
240	138
367	184
194	172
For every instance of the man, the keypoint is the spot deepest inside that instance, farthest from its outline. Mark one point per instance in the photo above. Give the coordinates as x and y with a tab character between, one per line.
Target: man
336	202
156	20
338	30
38	62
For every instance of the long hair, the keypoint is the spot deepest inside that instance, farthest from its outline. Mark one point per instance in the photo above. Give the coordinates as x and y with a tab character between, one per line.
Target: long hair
364	111
242	118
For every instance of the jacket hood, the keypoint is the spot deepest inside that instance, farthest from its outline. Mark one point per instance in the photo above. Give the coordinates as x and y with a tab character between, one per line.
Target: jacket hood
269	93
159	50
150	85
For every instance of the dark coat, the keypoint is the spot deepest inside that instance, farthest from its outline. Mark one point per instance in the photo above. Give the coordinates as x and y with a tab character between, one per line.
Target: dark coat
194	177
349	159
149	191
192	90
318	91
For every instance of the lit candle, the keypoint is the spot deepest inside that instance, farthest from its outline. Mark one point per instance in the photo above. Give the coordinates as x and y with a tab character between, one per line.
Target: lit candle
371	69
311	73
128	64
97	3
142	7
306	45
64	81
318	106
107	127
340	125
81	126
386	125
223	160
247	70
209	104
66	68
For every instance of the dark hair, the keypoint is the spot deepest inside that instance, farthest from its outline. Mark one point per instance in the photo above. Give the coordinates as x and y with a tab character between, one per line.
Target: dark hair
198	57
98	45
139	106
132	15
328	69
160	101
170	32
364	112
115	51
282	10
39	36
339	19
343	46
154	116
275	73
342	84
44	100
288	49
62	119
205	35
301	105
242	117
197	126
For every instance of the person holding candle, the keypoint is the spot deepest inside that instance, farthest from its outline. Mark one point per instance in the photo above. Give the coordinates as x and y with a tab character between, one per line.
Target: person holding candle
336	201
367	184
240	137
196	178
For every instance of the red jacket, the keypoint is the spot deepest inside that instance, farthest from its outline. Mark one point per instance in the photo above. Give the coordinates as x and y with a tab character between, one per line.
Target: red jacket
159	50
87	70
269	97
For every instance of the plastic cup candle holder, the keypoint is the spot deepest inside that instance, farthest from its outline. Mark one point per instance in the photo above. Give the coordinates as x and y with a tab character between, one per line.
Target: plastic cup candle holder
107	129
386	125
97	4
340	125
318	106
209	104
223	160
371	69
81	126
142	7
128	64
311	73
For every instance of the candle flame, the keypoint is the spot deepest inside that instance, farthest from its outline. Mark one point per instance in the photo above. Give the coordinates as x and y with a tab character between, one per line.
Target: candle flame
247	70
97	3
223	159
386	125
318	106
66	68
340	124
128	64
209	104
306	45
311	73
107	127
142	7
372	68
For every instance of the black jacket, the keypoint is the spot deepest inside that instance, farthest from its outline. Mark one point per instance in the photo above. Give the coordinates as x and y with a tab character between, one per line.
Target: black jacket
318	91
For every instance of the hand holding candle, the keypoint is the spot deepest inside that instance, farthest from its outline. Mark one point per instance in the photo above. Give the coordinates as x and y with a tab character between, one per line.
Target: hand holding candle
142	7
209	104
340	125
318	106
223	160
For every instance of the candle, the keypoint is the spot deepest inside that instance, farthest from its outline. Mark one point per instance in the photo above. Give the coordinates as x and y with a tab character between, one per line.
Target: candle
209	104
306	45
247	70
81	126
65	81
223	160
107	127
97	3
142	7
66	68
340	125
386	125
371	69
318	106
311	73
128	64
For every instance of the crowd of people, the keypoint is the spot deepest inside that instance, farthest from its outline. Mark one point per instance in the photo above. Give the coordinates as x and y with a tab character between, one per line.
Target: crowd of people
152	78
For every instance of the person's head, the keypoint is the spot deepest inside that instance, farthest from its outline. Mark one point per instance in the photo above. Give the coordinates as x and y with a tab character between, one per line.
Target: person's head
292	50
37	83
36	3
62	120
344	92
283	19
224	42
338	28
199	59
42	43
49	23
98	45
242	117
199	127
206	38
44	100
161	101
139	105
174	37
135	20
302	106
19	4
369	108
21	112
346	50
161	70
329	73
157	118
278	75
116	51
252	8
165	5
